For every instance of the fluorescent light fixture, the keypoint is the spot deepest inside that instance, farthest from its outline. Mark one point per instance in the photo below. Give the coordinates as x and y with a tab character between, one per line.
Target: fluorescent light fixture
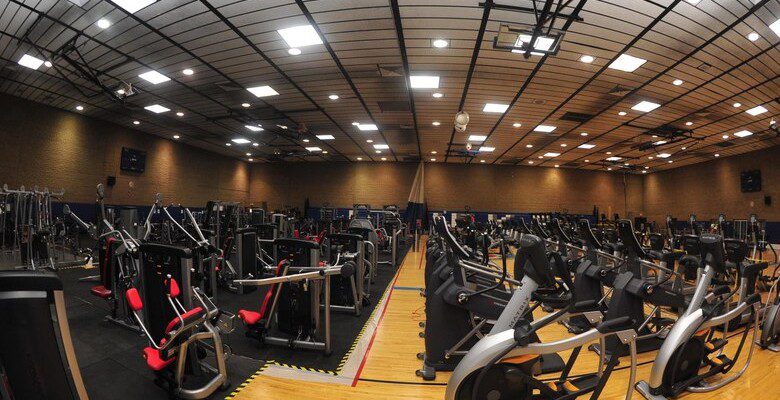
367	127
262	91
154	77
587	59
30	62
664	155
486	149
743	134
645	106
752	36
477	138
314	148
586	146
551	154
775	27
614	158
757	110
132	6
187	71
103	23
424	81
544	128
333	97
440	43
495	108
157	109
253	128
325	137
240	141
300	36
294	52
381	146
627	63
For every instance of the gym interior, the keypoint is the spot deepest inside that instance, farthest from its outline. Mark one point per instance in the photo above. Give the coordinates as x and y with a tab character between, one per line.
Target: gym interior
389	199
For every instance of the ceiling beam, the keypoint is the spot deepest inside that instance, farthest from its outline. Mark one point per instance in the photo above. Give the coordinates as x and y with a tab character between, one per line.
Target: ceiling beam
399	29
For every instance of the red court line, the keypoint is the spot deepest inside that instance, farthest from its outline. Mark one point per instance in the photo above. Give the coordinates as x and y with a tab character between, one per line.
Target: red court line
376	329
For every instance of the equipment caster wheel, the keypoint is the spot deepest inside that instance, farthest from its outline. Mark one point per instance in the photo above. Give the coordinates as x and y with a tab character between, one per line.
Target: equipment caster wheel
422	335
420	356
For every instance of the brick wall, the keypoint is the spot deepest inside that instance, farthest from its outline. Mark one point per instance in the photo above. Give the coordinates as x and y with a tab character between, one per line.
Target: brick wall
53	148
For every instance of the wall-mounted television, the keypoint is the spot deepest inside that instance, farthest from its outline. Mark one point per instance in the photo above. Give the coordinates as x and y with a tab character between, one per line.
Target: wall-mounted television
751	180
133	160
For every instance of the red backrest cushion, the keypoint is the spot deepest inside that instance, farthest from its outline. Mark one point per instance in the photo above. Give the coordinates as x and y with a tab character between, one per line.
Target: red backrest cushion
134	299
173	287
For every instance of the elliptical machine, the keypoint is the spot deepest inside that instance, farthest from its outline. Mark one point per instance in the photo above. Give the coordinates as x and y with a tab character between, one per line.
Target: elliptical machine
770	325
690	344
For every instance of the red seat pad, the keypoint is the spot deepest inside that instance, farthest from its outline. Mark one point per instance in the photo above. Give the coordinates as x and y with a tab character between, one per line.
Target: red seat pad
154	360
100	291
196	312
249	317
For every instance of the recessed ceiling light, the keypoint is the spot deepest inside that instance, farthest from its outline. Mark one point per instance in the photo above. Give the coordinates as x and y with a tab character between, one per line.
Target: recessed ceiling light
609	152
187	71
228	144
176	136
136	122
757	110
530	162
367	127
262	91
360	158
356	123
300	36
132	6
529	146
752	36
80	108
424	81
689	123
737	105
717	155
440	43
435	123
556	165
253	128
725	136
677	82
306	140
369	141
381	146
564	145
157	109
587	160
477	138
627	63
240	141
103	23
282	126
517	124
614	158
378	151
587	59
324	152
482	161
775	27
650	157
683	148
495	108
647	167
670	161
325	137
47	64
609	169
437	95
246	105
645	106
383	158
256	144
313	148
586	146
644	172
433	159
660	142
540	157
486	149
30	62
333	97
544	128
622	113
251	159
551	154
154	77
664	155
294	52
179	114
743	134
434	152
584	134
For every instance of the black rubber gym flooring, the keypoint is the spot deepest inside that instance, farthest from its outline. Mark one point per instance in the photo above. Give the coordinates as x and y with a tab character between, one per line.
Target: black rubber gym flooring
110	356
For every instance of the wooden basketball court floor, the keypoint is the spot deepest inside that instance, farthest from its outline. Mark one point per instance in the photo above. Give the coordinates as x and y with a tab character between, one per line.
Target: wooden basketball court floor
387	365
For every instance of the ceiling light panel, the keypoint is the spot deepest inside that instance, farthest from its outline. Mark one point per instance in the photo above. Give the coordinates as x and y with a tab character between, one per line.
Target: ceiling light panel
30	62
132	6
154	77
381	146
367	127
757	110
495	108
325	137
240	141
253	128
551	154
586	146
300	36
156	108
645	106
743	134
627	63
424	81
544	128
486	149
477	138
262	91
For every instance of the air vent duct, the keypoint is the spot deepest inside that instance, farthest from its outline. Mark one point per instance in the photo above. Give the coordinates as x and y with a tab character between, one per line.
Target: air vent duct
576	117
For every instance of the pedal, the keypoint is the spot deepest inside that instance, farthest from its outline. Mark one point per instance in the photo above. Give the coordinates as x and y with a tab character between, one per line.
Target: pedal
715	345
721	361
